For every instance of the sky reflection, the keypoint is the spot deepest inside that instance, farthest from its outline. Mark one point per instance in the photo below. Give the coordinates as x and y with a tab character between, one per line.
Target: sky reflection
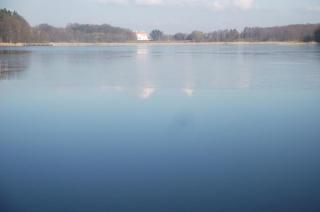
148	68
160	128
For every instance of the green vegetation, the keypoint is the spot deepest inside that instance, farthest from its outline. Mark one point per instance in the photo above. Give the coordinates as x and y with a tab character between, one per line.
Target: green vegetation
14	28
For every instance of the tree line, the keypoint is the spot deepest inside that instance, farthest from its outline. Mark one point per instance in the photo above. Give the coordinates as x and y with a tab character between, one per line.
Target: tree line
14	28
298	32
87	33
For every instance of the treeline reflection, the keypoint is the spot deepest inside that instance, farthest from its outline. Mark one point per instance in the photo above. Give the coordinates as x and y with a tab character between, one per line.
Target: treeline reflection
145	70
13	64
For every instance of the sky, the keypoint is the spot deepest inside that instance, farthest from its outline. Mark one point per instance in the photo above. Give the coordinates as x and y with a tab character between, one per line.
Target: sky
169	16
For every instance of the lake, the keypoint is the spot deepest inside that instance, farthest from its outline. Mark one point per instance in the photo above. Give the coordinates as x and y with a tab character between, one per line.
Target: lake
147	128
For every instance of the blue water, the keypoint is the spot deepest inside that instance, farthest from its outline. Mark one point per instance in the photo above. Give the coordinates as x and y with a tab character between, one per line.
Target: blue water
147	128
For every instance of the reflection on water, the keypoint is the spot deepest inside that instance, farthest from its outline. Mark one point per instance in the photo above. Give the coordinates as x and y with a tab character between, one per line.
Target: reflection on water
160	128
148	68
188	91
146	92
13	63
142	51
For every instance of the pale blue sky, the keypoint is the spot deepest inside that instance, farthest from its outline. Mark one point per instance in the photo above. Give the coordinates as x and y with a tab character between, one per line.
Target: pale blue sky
169	15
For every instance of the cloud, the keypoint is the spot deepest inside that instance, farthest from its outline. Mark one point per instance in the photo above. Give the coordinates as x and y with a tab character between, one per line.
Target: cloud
244	4
117	2
214	4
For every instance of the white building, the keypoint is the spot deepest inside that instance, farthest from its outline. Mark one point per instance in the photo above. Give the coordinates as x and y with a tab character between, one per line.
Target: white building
142	36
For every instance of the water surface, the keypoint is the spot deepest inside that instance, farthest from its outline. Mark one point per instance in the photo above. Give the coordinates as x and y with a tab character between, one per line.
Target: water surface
160	128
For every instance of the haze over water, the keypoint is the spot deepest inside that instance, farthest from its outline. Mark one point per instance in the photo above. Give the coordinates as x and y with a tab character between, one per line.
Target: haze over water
160	128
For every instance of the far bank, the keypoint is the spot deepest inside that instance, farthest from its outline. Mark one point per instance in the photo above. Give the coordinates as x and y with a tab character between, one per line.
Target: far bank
75	44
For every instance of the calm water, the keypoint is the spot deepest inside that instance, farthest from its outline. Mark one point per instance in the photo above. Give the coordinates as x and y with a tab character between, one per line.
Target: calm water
147	128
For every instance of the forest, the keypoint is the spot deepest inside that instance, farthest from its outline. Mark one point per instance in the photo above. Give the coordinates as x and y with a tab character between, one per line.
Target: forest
14	29
298	32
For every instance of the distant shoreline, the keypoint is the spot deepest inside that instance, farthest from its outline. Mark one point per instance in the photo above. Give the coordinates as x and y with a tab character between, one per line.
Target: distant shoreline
69	44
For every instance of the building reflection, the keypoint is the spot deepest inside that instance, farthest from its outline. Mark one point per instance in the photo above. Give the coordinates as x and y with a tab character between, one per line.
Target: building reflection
151	73
142	52
13	64
188	91
145	73
146	92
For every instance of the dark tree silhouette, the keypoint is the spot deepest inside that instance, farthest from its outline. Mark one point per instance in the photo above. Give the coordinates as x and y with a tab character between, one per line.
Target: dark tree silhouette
13	27
180	36
299	32
156	35
317	35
